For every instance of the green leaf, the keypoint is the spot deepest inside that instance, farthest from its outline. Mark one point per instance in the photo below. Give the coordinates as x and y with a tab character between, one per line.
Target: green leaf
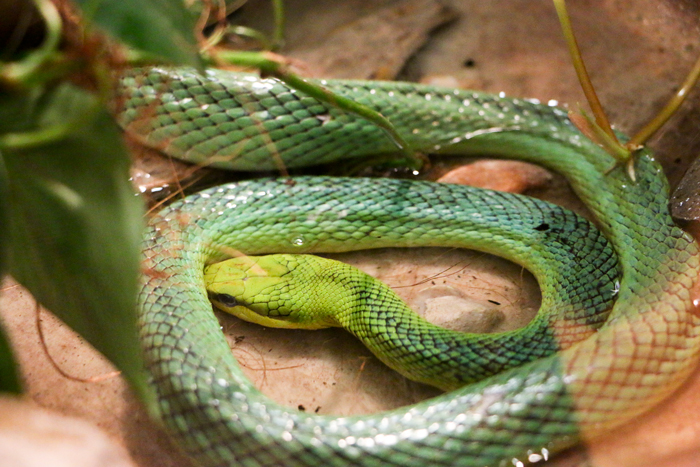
164	28
74	221
9	376
3	214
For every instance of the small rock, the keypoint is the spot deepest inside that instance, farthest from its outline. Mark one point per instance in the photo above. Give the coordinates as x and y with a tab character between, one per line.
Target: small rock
510	176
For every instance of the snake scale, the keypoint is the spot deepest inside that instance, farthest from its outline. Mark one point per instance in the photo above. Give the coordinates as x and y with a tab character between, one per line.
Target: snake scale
644	351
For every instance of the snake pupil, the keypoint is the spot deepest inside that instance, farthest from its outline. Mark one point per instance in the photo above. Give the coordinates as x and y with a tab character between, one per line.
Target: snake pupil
225	299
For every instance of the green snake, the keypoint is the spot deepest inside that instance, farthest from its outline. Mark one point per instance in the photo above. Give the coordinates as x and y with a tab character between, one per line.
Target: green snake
310	292
645	350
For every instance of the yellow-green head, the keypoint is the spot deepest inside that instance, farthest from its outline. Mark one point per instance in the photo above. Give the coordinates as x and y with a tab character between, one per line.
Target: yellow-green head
282	291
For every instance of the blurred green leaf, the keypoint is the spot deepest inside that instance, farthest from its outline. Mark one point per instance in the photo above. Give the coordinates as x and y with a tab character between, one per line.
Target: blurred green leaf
9	376
3	215
164	28
74	221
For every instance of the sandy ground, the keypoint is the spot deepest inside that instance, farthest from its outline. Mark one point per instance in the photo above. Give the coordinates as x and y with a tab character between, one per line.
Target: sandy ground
637	51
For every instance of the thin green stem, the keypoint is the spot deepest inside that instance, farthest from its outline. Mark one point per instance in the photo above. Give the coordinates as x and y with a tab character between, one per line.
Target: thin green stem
272	65
32	139
19	73
250	33
280	22
580	67
671	107
611	145
261	38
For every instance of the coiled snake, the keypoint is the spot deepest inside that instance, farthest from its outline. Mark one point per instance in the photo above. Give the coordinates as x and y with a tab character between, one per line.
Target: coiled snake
638	357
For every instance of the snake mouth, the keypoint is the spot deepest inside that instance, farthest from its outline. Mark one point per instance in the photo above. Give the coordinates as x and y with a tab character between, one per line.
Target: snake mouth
234	306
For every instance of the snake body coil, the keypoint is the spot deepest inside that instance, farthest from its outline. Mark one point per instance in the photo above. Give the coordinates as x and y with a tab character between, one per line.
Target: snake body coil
643	353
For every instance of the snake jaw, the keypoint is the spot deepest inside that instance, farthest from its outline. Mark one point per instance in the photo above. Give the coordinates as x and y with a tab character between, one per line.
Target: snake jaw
252	315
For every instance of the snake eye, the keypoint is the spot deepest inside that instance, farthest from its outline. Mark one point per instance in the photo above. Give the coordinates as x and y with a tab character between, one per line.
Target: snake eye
226	300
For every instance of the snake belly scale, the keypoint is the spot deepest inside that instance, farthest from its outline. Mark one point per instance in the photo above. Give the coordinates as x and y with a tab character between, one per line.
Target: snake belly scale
643	352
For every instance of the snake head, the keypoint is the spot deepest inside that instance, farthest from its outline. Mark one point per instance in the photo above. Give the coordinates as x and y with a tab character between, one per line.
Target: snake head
274	290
